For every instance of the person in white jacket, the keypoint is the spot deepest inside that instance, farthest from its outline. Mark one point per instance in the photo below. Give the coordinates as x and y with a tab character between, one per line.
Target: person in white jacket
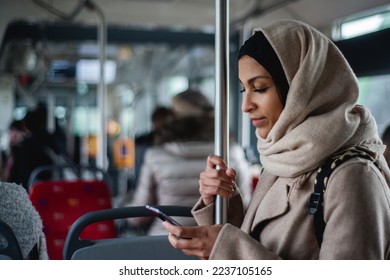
171	168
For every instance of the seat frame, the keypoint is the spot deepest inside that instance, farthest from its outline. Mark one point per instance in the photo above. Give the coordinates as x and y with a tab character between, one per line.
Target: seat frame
133	247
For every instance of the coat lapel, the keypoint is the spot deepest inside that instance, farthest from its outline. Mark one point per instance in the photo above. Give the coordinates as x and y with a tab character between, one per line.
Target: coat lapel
269	200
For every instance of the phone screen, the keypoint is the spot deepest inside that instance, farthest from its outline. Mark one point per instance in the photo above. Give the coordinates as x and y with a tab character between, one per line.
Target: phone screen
158	213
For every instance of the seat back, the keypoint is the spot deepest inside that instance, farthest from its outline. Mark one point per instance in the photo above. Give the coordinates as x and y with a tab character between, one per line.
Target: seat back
60	203
11	250
123	248
68	172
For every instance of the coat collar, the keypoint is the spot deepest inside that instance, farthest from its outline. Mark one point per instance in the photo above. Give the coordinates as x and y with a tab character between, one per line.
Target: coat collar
269	200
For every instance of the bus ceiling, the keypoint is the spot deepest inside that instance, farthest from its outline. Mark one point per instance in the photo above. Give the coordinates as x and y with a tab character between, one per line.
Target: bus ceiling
374	45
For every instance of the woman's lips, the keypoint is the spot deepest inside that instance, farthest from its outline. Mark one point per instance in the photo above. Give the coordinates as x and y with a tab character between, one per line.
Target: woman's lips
259	122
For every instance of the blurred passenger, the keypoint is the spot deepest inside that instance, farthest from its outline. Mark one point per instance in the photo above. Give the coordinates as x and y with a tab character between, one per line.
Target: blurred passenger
17	134
160	116
170	173
17	212
36	150
59	140
386	141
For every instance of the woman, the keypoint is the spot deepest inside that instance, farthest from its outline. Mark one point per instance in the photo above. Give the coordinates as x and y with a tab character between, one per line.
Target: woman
300	94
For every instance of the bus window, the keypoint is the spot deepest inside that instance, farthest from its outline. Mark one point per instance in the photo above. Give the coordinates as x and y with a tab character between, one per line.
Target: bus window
365	33
375	95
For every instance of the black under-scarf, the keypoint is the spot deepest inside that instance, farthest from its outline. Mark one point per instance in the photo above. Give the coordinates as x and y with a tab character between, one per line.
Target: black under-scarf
261	50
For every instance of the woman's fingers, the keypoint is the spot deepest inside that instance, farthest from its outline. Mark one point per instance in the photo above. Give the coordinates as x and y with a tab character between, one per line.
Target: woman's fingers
194	241
216	181
213	161
178	232
188	246
223	189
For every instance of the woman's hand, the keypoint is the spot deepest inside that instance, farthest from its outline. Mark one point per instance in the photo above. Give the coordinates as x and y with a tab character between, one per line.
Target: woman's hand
216	179
193	241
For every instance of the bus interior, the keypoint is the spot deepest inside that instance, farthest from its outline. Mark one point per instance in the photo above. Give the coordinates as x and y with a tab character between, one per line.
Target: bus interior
52	51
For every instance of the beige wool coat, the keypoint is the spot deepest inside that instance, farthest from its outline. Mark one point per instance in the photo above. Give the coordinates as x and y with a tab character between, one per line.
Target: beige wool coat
277	224
320	117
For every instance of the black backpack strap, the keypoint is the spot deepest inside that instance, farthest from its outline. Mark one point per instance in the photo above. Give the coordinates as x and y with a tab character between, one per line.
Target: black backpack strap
317	197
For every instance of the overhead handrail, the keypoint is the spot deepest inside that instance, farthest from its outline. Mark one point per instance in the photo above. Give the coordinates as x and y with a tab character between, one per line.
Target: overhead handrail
78	8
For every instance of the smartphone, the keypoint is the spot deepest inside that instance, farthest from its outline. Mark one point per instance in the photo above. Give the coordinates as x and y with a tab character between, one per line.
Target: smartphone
158	213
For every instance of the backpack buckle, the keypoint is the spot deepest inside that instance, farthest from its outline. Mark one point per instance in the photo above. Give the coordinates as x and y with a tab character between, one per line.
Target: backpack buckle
314	202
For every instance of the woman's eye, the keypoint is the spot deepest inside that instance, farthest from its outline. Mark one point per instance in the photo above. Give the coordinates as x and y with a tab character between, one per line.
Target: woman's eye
261	90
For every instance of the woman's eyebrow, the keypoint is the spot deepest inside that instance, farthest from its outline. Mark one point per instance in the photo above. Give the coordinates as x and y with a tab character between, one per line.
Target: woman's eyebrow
251	80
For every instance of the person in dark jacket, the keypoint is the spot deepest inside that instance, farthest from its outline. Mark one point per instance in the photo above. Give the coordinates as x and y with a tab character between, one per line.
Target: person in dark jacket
37	149
17	134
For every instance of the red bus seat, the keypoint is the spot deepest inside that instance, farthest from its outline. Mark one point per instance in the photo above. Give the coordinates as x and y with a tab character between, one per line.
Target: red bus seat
60	203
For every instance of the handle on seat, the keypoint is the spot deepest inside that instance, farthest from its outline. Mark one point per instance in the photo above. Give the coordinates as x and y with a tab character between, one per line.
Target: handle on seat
73	242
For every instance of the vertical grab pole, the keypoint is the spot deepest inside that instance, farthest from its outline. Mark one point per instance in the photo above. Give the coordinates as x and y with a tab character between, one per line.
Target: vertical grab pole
101	159
221	96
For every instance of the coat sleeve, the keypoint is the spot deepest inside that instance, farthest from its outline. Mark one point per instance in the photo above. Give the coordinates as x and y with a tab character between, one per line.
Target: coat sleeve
356	213
204	215
234	244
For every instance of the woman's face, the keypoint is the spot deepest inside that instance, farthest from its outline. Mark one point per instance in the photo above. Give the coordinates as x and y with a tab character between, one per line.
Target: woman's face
261	99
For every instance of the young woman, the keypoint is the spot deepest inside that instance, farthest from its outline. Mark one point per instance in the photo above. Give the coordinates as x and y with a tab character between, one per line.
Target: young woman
301	95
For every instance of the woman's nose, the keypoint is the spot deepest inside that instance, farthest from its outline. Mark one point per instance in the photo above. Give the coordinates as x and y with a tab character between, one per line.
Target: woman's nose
247	105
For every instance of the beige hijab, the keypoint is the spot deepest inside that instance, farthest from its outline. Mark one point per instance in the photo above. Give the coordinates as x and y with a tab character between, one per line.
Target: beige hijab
321	114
